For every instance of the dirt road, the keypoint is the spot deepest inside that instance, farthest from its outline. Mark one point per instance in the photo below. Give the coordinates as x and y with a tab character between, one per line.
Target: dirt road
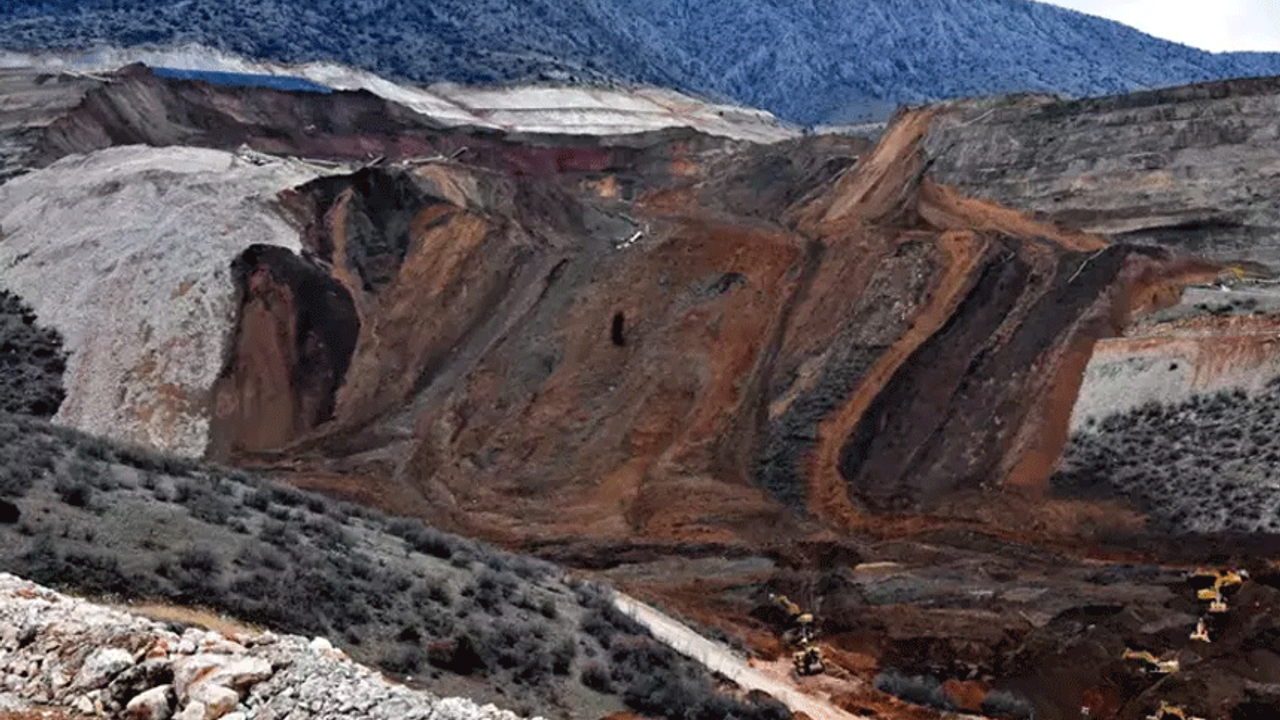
719	658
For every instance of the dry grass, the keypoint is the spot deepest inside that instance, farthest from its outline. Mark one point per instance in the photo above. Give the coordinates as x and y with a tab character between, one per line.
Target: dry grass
198	616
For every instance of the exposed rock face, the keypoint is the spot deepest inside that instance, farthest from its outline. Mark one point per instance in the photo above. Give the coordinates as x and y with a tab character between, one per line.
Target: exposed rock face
56	651
1188	167
566	332
293	343
572	363
126	253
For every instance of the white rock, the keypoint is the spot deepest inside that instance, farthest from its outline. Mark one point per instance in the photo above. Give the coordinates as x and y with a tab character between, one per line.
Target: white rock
241	673
102	665
154	704
193	711
189	670
235	672
83	705
217	699
320	644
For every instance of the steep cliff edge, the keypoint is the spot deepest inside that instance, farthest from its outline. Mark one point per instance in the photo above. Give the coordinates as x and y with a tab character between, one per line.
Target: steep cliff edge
555	337
126	254
1190	168
534	362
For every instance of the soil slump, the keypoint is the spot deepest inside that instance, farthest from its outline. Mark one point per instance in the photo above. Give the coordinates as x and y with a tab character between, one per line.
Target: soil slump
294	340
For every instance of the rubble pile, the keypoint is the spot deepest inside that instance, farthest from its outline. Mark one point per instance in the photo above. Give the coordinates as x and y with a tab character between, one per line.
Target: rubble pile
61	652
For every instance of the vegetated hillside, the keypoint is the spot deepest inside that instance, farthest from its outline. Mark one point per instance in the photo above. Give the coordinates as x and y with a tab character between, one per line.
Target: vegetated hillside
446	613
806	61
31	361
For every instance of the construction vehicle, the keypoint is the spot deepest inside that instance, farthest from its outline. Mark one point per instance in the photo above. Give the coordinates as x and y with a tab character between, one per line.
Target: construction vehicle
1211	582
801	634
808	660
1202	632
1151	663
800	624
1167	711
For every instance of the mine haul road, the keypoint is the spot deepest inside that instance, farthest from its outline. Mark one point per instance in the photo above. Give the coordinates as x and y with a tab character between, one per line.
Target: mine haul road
719	658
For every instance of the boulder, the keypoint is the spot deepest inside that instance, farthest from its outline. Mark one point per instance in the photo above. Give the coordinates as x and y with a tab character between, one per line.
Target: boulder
154	704
236	673
218	700
101	666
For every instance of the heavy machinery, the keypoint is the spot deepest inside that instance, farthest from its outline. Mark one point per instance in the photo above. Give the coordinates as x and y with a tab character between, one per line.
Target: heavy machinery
1212	585
1201	633
1168	711
808	660
800	634
1151	663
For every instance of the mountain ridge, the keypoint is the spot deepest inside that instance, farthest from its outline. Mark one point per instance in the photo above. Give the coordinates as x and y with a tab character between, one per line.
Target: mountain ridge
804	62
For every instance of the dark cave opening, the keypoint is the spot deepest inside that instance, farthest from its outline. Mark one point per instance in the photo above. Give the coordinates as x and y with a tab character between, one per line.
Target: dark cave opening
616	330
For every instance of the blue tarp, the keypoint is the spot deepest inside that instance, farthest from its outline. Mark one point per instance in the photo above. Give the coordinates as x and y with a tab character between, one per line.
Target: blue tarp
233	79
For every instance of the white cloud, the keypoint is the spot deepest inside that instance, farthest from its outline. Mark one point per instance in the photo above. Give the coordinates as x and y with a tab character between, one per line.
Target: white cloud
1220	25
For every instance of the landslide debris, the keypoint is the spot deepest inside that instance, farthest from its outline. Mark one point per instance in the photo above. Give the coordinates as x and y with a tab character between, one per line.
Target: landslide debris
565	332
568	359
126	254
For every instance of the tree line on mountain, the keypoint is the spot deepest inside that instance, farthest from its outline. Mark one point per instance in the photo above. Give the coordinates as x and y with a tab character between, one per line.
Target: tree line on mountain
808	62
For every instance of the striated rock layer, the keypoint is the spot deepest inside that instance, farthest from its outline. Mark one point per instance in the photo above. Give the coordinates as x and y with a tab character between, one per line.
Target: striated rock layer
667	336
537	362
1191	168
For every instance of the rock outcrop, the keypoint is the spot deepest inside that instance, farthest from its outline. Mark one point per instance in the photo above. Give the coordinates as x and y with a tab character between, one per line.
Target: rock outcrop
59	652
1190	168
570	362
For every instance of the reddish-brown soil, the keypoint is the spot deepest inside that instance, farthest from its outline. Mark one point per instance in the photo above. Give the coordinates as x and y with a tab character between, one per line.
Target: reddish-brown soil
707	370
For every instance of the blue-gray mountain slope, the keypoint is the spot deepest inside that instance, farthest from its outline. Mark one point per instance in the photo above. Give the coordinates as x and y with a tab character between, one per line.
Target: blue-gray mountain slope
806	60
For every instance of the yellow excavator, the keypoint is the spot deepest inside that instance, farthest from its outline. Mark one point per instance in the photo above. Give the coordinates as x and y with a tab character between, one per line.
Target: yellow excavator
1151	663
1212	583
1167	711
801	634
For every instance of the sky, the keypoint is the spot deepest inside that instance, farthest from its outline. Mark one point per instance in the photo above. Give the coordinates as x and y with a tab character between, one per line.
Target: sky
1216	25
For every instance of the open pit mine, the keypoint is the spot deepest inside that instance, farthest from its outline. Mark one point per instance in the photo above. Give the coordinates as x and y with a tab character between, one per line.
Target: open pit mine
979	393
